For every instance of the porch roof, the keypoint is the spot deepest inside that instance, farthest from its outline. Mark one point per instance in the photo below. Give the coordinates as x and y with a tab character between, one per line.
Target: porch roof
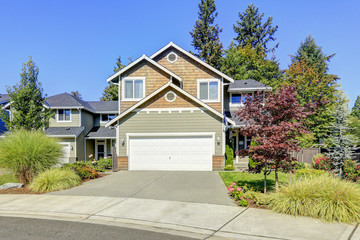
101	133
231	115
64	131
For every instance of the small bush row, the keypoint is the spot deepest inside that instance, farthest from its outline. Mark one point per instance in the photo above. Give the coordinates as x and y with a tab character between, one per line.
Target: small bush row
84	170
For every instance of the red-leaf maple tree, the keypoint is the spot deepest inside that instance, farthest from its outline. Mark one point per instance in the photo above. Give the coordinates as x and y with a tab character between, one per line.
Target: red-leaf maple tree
274	122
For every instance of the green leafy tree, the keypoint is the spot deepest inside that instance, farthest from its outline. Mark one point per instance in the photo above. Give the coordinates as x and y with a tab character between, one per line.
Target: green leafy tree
341	142
27	102
205	35
111	91
315	87
356	109
76	94
244	63
313	54
252	30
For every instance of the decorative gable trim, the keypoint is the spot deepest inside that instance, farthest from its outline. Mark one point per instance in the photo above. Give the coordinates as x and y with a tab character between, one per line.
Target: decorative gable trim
169	84
143	57
171	44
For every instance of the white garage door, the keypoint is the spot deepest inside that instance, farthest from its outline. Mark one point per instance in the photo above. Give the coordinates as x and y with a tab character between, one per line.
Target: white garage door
66	152
171	153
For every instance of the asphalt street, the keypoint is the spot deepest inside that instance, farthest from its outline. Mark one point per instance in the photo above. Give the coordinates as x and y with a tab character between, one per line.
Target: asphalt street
12	228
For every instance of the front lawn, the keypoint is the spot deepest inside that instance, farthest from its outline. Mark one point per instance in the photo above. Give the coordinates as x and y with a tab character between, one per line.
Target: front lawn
253	180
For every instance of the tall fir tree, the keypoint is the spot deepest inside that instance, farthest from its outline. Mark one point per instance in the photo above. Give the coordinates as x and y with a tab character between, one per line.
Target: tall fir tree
205	35
27	102
355	111
252	30
111	92
315	87
244	63
341	142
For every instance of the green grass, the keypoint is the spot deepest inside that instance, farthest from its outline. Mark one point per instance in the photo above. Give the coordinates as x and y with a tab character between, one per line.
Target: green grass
325	197
8	178
253	180
55	179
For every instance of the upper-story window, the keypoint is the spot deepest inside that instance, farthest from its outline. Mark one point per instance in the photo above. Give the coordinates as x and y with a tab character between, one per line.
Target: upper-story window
64	115
209	90
133	88
238	98
106	117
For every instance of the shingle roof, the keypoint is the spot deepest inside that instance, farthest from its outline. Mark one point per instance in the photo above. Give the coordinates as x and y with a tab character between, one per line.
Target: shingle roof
231	115
64	131
64	100
4	98
104	106
102	132
243	85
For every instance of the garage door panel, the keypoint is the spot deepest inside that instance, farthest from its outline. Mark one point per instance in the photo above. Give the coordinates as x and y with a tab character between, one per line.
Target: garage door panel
170	153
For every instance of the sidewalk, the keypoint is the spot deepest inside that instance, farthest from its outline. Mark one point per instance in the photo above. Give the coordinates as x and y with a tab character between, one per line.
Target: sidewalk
197	220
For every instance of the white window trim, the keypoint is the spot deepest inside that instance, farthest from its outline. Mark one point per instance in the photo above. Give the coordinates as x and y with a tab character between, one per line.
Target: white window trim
241	103
123	89
57	115
106	114
167	57
172	93
208	81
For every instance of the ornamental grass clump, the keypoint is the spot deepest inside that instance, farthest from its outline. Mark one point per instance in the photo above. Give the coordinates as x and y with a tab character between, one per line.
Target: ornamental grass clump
326	197
54	180
28	153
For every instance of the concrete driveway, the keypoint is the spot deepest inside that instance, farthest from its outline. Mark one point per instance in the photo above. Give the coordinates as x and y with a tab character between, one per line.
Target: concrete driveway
200	187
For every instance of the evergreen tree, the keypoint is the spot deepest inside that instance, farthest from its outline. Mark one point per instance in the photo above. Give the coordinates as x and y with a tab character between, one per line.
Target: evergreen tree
356	109
251	30
205	35
315	87
244	63
27	102
341	142
76	94
312	54
111	92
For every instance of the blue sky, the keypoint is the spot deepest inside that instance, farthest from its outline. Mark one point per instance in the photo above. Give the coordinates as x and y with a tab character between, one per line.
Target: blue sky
75	43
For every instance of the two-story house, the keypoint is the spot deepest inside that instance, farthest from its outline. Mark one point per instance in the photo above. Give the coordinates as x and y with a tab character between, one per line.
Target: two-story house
80	126
172	112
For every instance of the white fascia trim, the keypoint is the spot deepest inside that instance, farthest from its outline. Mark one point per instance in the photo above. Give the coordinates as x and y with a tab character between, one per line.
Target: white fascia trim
6	106
62	136
143	57
137	104
171	44
100	137
208	81
107	112
168	109
250	89
123	88
66	107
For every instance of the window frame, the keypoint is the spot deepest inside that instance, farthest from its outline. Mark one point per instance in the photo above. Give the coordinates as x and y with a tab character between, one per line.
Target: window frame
133	80
208	81
57	115
101	121
241	98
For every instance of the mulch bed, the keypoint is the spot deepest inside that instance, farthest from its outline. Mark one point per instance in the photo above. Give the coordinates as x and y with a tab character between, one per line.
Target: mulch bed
26	190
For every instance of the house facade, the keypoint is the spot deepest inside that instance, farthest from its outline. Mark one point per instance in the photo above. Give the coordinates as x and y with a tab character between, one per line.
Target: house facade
4	100
174	110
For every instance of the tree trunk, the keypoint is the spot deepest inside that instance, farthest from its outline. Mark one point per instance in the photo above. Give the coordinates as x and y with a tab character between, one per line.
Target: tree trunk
276	179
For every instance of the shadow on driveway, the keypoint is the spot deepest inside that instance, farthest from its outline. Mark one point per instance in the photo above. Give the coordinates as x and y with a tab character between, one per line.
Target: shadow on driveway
201	187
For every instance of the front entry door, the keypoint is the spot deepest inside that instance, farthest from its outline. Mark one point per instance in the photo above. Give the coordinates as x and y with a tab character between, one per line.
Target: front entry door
100	150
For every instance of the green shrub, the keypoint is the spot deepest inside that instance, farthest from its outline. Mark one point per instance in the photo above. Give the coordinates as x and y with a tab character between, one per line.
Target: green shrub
250	194
351	170
229	168
301	165
8	178
325	197
102	164
27	153
84	170
252	164
309	173
229	155
54	180
243	203
262	199
321	162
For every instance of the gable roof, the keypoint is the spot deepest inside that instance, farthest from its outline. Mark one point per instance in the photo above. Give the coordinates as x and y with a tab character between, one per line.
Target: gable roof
169	84
247	85
171	44
104	106
146	58
66	100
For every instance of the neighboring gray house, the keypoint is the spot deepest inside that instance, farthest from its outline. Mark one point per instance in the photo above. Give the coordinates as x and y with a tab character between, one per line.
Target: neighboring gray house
80	126
4	99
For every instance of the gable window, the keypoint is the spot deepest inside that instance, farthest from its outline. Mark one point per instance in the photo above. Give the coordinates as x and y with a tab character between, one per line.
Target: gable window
208	90
107	117
133	89
64	115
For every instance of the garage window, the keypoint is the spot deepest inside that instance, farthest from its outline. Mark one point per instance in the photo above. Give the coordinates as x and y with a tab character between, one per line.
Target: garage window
64	115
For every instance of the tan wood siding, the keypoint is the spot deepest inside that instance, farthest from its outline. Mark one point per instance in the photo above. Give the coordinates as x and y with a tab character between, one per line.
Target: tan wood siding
174	122
189	70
